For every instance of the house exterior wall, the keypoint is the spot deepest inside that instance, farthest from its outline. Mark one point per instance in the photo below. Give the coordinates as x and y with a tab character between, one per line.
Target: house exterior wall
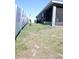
52	15
48	16
59	16
45	17
40	18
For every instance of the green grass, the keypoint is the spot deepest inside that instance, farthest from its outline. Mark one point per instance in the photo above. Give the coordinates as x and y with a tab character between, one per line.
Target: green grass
32	28
52	37
20	46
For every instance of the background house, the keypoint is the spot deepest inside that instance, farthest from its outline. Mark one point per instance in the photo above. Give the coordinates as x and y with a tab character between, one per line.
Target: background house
52	14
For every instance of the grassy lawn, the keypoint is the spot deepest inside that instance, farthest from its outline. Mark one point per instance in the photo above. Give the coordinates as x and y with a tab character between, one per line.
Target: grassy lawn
46	37
20	46
33	28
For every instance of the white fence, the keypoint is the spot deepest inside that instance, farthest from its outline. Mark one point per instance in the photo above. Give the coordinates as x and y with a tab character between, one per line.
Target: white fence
21	20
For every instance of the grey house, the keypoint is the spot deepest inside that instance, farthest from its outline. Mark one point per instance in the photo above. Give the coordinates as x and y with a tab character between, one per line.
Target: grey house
52	14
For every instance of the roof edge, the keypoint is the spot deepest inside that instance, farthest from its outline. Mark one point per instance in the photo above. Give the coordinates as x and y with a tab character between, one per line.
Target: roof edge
51	2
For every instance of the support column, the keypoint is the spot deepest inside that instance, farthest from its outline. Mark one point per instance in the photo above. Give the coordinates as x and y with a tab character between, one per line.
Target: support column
53	15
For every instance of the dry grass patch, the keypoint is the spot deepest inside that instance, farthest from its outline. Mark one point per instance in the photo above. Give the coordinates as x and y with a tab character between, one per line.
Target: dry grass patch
45	41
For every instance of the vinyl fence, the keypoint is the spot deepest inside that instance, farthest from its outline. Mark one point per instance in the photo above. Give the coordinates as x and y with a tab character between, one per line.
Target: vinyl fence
21	20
